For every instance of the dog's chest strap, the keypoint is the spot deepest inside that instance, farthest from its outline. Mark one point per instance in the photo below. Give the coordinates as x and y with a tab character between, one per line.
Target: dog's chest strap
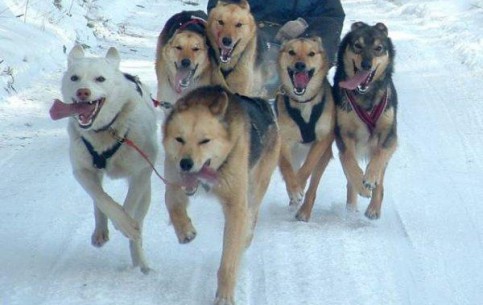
307	129
100	160
369	118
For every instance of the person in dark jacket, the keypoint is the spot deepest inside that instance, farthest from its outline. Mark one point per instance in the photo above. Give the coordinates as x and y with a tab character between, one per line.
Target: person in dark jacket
280	20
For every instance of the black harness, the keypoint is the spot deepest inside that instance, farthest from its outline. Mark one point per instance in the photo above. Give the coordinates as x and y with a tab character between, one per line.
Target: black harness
100	160
307	129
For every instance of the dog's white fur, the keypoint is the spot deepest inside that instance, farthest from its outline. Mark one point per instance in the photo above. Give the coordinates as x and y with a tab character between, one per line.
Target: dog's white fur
124	111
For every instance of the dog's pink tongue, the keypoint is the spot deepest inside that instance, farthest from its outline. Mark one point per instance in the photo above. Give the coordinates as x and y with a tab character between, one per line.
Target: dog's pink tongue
206	174
180	78
301	79
61	110
355	81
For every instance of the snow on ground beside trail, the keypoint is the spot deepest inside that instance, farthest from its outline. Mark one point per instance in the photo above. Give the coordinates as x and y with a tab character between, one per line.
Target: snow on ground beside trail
426	249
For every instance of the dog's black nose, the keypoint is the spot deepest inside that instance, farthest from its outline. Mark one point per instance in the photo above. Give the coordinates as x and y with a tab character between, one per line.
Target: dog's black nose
226	41
366	64
300	66
186	164
185	63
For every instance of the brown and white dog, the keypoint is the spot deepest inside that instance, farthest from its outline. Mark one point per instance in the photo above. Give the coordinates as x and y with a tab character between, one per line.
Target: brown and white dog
236	48
228	143
182	62
306	116
366	111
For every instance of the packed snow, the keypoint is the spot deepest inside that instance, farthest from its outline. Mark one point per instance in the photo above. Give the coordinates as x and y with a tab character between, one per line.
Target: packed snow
427	248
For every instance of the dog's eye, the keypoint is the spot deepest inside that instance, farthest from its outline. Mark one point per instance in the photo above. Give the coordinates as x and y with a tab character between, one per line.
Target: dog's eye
220	22
239	25
179	48
291	53
312	54
357	47
196	49
74	78
180	140
100	79
204	141
378	49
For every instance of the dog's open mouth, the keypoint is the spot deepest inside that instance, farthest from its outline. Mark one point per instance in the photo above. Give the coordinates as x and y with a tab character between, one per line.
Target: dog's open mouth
183	78
84	112
206	176
226	52
360	81
300	80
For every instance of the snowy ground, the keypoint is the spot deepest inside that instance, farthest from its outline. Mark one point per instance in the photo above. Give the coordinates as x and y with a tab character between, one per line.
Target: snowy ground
426	249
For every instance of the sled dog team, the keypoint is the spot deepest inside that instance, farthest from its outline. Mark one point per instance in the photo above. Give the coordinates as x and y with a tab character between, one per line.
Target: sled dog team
220	134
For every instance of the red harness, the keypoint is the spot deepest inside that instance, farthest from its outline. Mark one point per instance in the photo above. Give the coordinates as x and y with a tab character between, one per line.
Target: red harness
370	118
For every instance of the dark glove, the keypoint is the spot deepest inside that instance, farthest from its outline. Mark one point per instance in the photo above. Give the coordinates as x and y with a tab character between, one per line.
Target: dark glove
291	29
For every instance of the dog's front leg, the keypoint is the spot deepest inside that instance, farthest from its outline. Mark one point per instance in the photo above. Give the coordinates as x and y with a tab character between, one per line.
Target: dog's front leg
92	184
305	210
234	241
176	202
351	168
295	192
100	236
136	205
316	152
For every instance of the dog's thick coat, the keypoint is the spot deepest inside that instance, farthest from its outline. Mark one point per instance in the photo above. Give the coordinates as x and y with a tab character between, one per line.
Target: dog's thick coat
306	116
236	50
213	130
110	102
366	102
182	62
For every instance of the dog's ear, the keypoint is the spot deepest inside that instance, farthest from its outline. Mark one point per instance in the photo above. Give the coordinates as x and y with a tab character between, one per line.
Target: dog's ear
76	53
244	5
219	104
318	40
382	27
357	25
181	105
113	57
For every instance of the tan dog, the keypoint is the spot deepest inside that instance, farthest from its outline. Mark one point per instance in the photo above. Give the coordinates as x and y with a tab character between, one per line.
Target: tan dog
366	111
232	34
210	135
306	116
182	62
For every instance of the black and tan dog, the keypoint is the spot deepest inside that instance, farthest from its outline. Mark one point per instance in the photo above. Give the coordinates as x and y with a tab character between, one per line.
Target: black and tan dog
236	48
182	62
306	115
232	143
366	111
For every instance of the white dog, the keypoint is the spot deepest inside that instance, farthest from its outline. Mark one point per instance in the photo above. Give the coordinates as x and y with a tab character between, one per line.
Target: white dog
106	106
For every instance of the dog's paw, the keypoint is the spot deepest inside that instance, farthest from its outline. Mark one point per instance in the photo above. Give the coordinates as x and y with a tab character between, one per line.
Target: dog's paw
372	213
369	183
302	216
99	238
224	301
363	190
296	198
129	227
186	235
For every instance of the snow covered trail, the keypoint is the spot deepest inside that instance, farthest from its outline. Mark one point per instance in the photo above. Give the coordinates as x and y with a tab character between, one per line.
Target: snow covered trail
426	249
